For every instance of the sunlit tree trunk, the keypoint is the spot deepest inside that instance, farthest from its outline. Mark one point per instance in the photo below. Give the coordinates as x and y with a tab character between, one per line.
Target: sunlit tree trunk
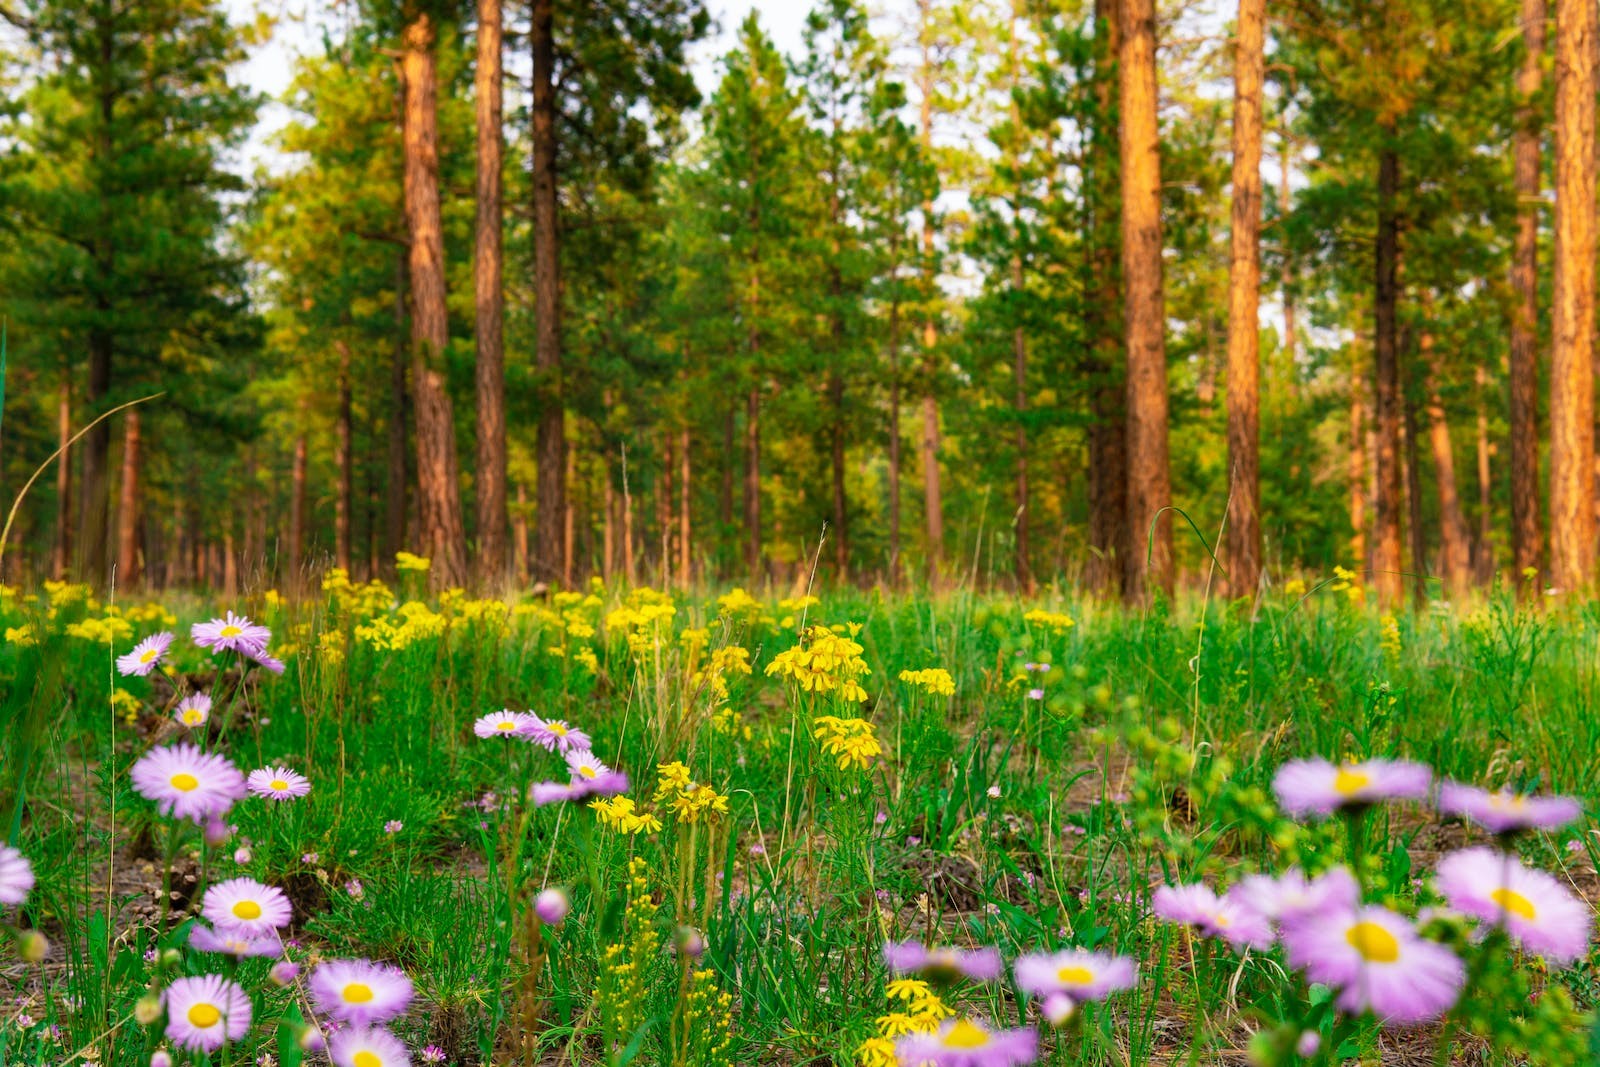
444	536
933	499
895	557
490	477
1572	493
1526	538
685	555
1483	557
1356	470
399	478
1149	565
343	459
1243	551
297	512
1455	555
551	443
63	543
128	510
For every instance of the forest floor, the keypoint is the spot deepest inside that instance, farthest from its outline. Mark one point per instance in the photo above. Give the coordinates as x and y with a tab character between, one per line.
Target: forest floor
810	779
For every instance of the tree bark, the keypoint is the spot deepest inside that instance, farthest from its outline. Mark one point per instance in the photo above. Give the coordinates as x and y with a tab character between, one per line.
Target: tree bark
1483	555
94	508
444	536
896	566
1149	478
1455	554
399	478
841	514
519	535
1412	485
1526	538
297	513
1572	494
490	483
63	544
752	484
1243	548
1108	429
551	443
344	463
1022	568
128	509
1386	562
933	502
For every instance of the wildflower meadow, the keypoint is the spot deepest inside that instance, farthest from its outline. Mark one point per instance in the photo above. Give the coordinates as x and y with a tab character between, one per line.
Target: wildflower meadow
612	826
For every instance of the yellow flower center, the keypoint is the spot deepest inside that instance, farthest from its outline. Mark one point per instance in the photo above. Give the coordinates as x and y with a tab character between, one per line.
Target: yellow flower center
587	772
366	1059
148	655
965	1035
1507	802
1075	976
247	910
185	782
1375	944
558	728
230	631
278	785
204	1015
357	993
192	717
1515	903
506	725
1347	783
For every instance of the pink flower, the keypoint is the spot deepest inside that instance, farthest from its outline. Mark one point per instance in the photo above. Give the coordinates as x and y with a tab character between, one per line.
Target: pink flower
1541	914
503	724
367	1047
1291	894
552	906
964	1042
1505	812
16	876
360	992
555	735
942	964
1225	917
246	907
278	783
187	783
590	778
205	1011
146	655
1076	973
235	633
1317	787
233	943
1378	962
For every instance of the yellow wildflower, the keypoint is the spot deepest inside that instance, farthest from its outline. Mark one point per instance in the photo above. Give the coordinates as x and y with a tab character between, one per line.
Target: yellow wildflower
1054	620
407	561
850	740
935	680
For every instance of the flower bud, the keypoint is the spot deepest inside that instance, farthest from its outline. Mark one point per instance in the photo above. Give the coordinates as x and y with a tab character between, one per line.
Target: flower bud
160	1058
32	946
283	972
311	1040
1058	1009
1309	1043
217	832
689	942
241	856
171	957
552	906
147	1009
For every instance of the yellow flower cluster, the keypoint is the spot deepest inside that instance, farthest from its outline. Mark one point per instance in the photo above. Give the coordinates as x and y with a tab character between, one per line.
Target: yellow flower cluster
624	966
851	741
368	598
1294	587
725	661
917	1009
690	802
1348	583
107	630
1389	637
708	1022
20	635
414	622
623	815
149	613
825	662
1054	620
935	680
407	561
738	602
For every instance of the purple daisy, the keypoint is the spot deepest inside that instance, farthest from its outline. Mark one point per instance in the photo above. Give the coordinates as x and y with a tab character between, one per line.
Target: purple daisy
965	1042
277	783
503	724
1317	787
590	778
234	633
1291	894
266	660
1378	962
367	1047
146	655
16	876
206	1011
360	992
187	783
942	964
232	943
1197	905
1540	913
1505	812
1076	973
246	907
557	735
193	710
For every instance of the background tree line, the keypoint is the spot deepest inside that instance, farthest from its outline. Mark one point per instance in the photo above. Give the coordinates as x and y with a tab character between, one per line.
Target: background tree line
1006	291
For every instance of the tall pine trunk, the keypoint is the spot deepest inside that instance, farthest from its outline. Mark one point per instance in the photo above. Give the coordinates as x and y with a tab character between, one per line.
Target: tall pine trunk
1386	562
1412	486
1483	549
685	553
1356	470
399	478
344	464
1455	552
1526	546
443	535
752	484
94	518
896	565
1286	275
1572	521
1243	551
1108	429
1149	478
128	509
490	482
933	498
1021	560
297	512
63	543
550	444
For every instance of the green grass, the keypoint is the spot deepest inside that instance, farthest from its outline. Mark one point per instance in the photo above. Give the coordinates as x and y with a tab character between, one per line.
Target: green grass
989	817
